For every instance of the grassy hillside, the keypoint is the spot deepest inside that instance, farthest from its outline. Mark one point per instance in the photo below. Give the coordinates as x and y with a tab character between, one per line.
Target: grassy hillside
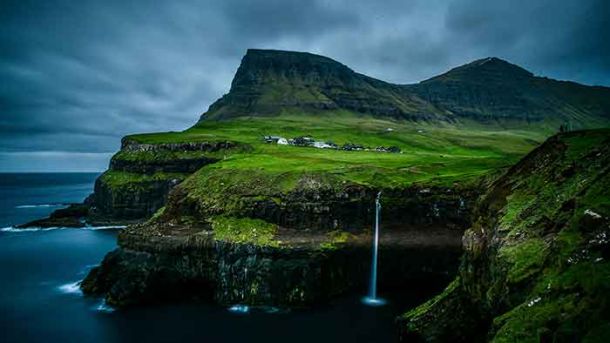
432	154
489	90
536	266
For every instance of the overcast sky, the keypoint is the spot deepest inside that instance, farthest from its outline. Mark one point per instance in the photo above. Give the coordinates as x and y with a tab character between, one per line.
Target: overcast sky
76	76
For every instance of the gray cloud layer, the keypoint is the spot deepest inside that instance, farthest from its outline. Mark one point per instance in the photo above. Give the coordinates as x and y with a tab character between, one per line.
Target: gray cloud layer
78	75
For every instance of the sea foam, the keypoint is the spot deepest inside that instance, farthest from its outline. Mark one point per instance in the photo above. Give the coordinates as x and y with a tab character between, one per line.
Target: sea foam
70	288
35	229
40	205
104	307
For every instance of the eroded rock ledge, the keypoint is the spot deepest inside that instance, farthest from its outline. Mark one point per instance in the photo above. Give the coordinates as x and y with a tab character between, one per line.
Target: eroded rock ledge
303	271
319	249
141	175
128	144
138	182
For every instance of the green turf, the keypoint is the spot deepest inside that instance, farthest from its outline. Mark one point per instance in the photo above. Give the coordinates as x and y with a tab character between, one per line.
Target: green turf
430	153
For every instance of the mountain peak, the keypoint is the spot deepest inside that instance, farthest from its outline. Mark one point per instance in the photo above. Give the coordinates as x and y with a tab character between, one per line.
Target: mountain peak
273	82
259	66
489	68
499	64
270	82
492	60
283	54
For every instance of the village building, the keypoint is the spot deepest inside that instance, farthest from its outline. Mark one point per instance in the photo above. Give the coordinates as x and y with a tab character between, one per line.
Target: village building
272	139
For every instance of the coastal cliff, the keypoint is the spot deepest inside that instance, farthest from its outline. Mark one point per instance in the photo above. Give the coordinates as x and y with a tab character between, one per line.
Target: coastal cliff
141	175
229	211
292	248
277	91
535	264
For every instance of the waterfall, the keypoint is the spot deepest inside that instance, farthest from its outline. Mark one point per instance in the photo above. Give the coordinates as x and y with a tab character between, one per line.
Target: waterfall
372	299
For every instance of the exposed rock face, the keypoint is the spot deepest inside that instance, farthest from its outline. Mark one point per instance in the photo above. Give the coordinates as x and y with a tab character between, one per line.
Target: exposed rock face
328	210
71	216
229	273
535	265
141	176
185	165
136	201
317	201
223	272
153	271
166	258
131	145
270	82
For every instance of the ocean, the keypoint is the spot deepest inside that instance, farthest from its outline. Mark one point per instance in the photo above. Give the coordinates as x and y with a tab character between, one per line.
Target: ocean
40	299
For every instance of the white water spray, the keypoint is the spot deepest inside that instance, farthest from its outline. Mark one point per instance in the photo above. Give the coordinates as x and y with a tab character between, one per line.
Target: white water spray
372	299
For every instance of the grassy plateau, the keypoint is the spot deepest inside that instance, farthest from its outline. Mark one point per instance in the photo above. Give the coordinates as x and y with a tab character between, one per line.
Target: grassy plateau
431	154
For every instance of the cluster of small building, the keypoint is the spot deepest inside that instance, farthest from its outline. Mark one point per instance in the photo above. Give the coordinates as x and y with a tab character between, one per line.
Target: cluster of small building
307	141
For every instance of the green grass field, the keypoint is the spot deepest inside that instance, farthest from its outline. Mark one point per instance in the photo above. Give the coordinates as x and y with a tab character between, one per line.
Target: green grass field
430	153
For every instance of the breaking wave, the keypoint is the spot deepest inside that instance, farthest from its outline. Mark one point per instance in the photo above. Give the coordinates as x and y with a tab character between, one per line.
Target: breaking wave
104	307
35	229
70	288
41	205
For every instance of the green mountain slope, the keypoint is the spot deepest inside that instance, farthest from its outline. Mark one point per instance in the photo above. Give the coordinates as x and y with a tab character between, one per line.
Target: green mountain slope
492	89
535	267
271	82
488	91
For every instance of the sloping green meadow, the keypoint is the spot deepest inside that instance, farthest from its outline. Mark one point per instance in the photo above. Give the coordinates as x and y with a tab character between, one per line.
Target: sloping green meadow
435	154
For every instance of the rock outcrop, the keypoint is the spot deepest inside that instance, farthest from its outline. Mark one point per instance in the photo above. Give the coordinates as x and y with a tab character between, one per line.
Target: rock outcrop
138	182
141	175
535	266
71	216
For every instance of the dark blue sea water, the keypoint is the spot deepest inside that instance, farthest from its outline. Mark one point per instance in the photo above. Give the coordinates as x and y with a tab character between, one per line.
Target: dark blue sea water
40	301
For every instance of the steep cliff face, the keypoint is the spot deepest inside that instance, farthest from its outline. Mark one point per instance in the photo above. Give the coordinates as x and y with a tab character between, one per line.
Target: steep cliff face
306	245
198	266
141	175
315	201
535	266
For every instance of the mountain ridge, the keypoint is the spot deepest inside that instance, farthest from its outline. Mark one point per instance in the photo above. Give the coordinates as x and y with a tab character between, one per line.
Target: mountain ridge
270	81
273	82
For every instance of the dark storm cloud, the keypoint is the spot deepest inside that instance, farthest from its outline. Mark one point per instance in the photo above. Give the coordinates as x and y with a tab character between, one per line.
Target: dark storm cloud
563	39
77	75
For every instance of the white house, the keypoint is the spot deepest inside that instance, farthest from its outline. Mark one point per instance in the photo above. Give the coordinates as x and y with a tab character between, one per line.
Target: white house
321	145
